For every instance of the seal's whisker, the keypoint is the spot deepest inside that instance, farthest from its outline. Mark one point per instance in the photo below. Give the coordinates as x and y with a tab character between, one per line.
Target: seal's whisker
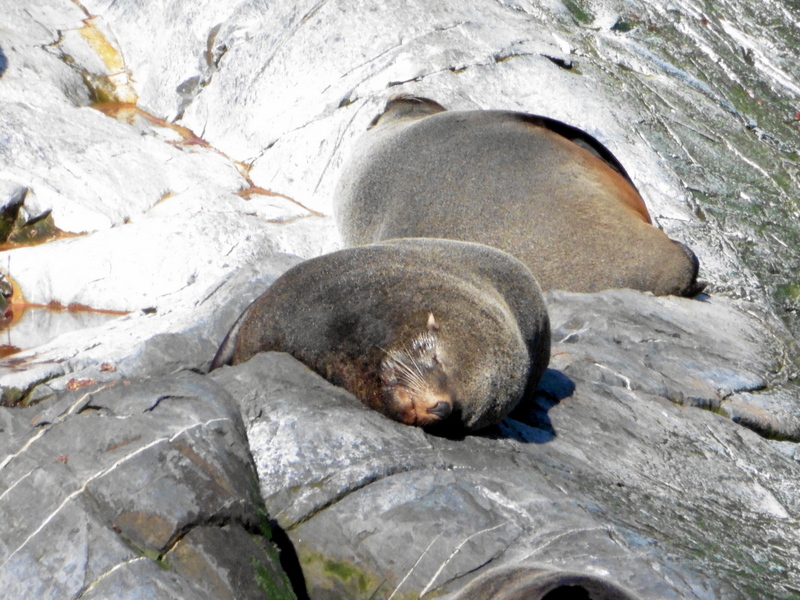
412	365
410	373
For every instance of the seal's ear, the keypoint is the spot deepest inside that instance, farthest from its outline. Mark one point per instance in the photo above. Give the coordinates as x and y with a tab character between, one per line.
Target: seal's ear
432	326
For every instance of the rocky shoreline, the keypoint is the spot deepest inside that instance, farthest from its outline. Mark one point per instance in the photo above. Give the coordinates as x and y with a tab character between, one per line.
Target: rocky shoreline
184	163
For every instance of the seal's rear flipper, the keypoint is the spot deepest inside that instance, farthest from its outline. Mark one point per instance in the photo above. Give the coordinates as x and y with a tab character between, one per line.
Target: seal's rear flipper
224	355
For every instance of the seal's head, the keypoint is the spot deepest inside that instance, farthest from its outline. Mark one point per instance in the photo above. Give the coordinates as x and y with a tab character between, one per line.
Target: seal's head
415	383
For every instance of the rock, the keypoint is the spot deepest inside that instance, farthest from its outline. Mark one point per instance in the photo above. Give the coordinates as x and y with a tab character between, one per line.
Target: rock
136	490
250	570
743	374
773	413
12	196
18	383
669	360
147	343
627	479
531	583
243	115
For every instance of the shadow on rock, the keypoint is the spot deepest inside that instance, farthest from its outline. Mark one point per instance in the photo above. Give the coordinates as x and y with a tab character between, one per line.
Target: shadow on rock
289	561
451	427
529	422
527	583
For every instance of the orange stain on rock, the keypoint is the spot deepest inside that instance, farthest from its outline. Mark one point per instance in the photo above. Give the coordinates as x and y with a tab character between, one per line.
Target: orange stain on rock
255	189
76	384
128	112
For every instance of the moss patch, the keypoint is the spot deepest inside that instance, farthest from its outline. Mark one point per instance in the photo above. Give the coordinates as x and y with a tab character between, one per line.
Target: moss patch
275	586
579	13
340	577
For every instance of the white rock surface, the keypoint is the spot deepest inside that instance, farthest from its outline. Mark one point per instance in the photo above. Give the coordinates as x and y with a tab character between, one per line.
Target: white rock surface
276	94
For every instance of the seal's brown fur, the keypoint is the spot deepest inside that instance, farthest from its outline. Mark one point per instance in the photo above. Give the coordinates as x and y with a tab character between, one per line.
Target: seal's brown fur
544	191
470	318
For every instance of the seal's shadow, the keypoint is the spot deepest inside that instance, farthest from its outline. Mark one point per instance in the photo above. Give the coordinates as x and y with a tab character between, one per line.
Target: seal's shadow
529	421
3	62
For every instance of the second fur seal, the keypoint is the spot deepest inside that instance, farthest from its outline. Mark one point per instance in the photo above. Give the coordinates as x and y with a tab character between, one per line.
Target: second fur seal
543	191
421	330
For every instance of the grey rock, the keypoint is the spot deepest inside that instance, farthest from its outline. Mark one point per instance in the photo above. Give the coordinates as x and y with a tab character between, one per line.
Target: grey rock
20	379
626	479
774	413
104	483
168	353
789	449
529	582
610	329
744	374
141	579
314	442
250	570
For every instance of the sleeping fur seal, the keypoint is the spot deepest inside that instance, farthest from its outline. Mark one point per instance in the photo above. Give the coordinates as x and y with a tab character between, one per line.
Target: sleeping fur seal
417	329
543	191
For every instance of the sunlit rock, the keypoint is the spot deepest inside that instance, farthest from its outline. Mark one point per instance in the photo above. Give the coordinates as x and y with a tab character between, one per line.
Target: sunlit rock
188	147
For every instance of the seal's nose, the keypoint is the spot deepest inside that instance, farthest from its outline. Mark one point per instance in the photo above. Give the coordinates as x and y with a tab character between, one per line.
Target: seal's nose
441	410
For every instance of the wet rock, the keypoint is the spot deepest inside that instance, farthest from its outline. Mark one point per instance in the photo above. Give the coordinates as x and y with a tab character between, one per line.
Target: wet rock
146	343
36	326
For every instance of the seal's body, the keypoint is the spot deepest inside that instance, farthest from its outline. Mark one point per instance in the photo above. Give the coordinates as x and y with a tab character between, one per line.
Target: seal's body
416	328
543	191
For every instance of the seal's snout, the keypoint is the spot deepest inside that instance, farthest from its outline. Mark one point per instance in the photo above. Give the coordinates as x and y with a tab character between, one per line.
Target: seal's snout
442	410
